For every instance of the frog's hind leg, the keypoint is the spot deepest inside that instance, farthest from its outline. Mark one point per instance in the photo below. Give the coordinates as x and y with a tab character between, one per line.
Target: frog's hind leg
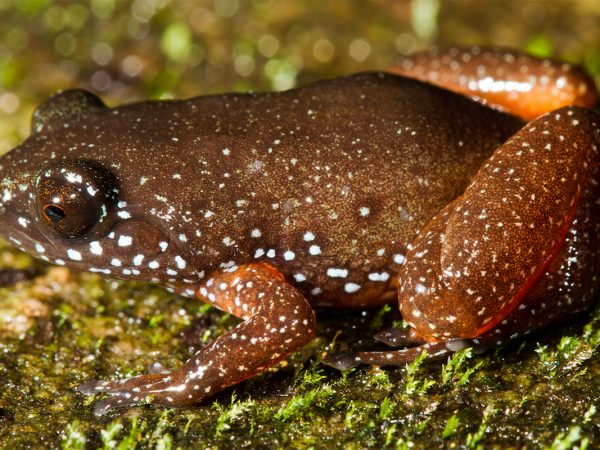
349	360
508	80
277	321
397	337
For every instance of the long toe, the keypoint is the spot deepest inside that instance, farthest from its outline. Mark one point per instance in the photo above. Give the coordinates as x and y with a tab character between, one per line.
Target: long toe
342	361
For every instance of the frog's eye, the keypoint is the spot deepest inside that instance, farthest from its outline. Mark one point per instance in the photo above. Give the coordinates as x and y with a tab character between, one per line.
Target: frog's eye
73	198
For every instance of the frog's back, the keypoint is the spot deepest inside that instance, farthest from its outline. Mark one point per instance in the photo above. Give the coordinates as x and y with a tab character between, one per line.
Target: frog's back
328	182
331	181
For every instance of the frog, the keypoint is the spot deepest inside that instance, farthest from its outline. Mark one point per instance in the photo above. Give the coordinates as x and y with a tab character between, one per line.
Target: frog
350	192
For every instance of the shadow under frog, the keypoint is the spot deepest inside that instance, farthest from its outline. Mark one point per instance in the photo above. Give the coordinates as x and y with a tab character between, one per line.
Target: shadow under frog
343	193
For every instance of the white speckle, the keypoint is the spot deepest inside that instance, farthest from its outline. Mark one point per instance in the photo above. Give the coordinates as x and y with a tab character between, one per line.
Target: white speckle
183	237
22	221
163	245
399	258
153	264
180	262
228	241
351	287
314	250
137	260
289	255
226	151
39	248
124	241
308	236
59	261
255	166
259	252
115	262
73	177
208	214
255	233
73	254
375	276
95	248
364	211
124	215
299	277
271	253
334	272
316	291
420	288
380	252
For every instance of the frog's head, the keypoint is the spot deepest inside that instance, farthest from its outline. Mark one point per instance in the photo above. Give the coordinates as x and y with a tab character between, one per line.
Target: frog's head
62	199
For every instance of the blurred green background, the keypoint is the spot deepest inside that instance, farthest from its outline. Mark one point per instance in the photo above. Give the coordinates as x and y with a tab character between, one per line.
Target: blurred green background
64	328
128	50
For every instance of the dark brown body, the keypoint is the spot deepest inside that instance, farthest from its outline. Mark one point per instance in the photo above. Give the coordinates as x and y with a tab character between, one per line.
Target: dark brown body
266	204
286	164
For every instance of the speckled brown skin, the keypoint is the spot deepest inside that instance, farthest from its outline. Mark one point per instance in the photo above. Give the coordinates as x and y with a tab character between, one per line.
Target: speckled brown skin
519	250
259	204
240	175
498	239
506	79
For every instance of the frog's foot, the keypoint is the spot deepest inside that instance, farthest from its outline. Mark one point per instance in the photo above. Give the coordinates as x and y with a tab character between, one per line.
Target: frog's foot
349	360
435	351
396	337
12	276
153	388
277	321
130	391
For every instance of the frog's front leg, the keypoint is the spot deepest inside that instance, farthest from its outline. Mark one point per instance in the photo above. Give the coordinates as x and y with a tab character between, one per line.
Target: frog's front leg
277	321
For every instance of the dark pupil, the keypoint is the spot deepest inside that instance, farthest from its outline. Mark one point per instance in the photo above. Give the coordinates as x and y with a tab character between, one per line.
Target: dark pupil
55	213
